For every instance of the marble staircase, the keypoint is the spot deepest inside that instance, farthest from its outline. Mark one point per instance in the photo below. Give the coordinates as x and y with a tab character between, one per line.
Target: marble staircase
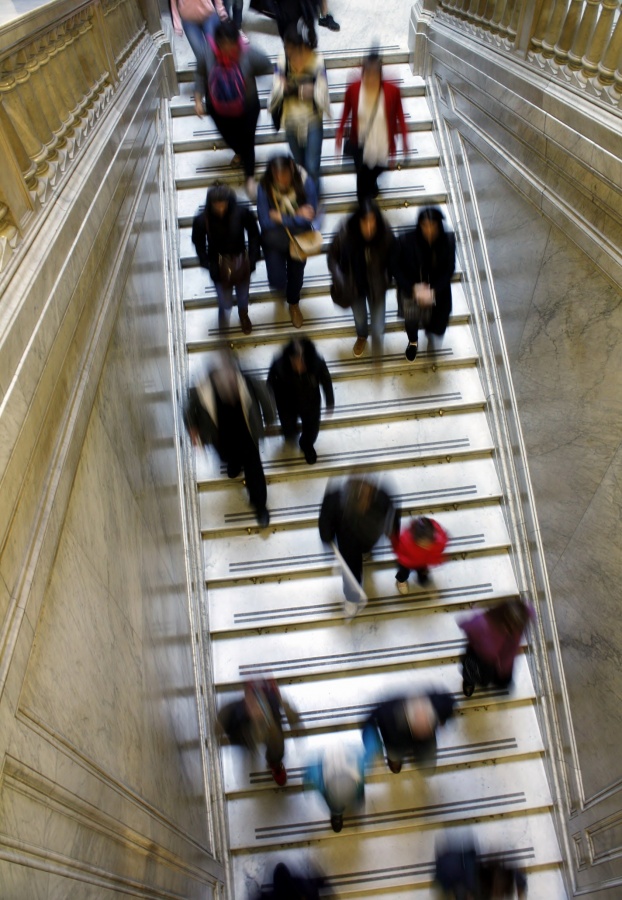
275	603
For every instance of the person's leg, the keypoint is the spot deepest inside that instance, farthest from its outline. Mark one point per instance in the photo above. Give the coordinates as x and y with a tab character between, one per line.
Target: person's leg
297	149
313	153
310	418
225	302
402	574
255	478
195	36
423	576
359	311
377	315
276	266
248	129
288	417
353	558
325	19
238	11
295	277
241	294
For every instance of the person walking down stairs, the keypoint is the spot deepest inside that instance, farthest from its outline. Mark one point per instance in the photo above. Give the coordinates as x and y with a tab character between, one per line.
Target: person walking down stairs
407	726
227	410
256	720
227	90
218	235
361	258
288	883
463	872
339	776
426	262
286	206
419	545
295	378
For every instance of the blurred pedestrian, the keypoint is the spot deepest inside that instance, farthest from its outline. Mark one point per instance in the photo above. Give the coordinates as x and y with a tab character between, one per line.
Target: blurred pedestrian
294	884
286	206
227	409
218	234
407	725
361	257
256	720
300	98
300	16
494	638
373	114
426	262
339	776
419	545
295	378
465	874
355	514
227	72
235	11
198	19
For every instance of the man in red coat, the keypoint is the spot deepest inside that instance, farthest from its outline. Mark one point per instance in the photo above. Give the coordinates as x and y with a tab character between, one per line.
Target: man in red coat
419	545
373	109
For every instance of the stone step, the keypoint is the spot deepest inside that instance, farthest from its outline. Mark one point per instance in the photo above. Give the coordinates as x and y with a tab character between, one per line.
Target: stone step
401	218
338	81
396	864
400	187
330	704
456	586
192	133
392	55
202	168
412	801
471	737
381	445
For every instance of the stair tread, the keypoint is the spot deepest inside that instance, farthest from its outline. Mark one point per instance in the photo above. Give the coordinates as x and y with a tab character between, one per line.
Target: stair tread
275	605
472	737
285	817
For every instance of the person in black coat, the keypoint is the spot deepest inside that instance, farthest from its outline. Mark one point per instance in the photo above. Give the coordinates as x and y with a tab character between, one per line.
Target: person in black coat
227	410
463	872
407	725
355	514
425	266
361	258
294	379
291	884
219	235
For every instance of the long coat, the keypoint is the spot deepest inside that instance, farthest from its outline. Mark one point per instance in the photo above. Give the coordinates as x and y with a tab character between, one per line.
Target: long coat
418	261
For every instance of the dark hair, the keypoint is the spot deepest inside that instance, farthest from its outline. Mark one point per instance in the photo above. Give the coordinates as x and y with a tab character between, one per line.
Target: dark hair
422	528
220	193
281	164
431	214
512	615
294	38
226	32
373	60
366	207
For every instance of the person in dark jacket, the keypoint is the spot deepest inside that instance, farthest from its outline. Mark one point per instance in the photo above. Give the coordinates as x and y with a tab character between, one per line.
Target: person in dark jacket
286	201
228	51
426	262
466	874
218	235
405	726
294	884
227	410
361	256
355	514
295	378
256	720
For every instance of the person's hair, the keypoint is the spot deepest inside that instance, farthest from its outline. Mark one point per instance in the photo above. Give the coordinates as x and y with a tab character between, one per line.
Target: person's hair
293	38
373	60
422	529
431	214
511	615
220	193
283	164
226	32
367	206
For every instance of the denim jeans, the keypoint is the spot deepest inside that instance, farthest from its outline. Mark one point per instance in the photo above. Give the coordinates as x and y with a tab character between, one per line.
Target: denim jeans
308	154
285	274
198	32
377	313
238	8
225	297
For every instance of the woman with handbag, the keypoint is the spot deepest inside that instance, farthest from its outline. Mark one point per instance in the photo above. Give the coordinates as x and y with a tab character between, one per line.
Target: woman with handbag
373	109
361	259
300	96
286	206
218	234
425	266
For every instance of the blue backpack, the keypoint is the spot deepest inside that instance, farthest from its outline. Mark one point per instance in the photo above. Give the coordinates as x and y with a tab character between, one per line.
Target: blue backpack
226	86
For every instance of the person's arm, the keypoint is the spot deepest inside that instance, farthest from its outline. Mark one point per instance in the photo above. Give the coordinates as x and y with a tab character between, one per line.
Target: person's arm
403	254
219	6
321	94
327	384
443	278
254	243
277	91
329	513
199	239
263	209
264	398
179	29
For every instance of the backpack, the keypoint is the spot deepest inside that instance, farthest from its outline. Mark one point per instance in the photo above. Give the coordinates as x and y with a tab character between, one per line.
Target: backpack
226	87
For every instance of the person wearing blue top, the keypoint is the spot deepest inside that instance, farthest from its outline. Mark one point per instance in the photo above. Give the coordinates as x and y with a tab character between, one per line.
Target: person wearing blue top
286	205
339	776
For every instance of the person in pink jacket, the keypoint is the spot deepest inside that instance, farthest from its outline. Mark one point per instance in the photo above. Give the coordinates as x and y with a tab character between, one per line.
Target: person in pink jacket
494	639
418	546
373	116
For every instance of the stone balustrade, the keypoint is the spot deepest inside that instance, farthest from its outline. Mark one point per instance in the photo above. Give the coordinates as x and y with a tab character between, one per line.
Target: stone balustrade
55	83
578	41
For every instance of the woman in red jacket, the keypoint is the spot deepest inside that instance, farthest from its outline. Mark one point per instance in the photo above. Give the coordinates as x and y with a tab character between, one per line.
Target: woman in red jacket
373	108
418	546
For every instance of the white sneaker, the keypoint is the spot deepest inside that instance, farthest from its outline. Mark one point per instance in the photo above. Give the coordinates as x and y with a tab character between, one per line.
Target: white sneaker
402	586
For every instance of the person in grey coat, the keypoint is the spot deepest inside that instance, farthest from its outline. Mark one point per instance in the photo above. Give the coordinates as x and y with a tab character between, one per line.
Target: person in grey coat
228	410
228	61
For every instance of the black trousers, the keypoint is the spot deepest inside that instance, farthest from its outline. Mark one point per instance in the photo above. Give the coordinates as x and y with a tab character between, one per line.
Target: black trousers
403	572
367	180
246	456
477	671
239	133
309	415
